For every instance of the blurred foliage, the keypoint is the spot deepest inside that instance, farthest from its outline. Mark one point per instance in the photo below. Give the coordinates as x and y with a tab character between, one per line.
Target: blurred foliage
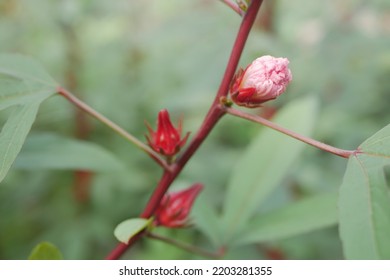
129	59
45	251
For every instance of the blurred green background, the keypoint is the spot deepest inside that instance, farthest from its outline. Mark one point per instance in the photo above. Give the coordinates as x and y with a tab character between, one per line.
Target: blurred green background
129	59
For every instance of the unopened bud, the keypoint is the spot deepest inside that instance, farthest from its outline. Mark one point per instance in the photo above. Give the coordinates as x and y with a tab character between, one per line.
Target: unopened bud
264	79
175	207
167	139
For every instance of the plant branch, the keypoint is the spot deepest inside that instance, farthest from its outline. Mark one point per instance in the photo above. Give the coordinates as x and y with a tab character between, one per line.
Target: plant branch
233	5
81	105
238	47
187	247
121	248
307	140
214	114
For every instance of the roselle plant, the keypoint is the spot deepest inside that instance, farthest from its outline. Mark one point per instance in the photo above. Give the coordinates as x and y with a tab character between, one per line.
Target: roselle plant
361	206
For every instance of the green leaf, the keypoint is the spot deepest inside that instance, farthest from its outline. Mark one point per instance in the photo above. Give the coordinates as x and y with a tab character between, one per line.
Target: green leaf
14	133
128	228
300	217
24	84
45	251
264	165
50	151
23	81
365	202
207	220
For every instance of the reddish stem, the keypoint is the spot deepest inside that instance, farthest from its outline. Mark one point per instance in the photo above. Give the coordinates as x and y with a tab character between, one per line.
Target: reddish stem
307	140
238	47
214	114
82	185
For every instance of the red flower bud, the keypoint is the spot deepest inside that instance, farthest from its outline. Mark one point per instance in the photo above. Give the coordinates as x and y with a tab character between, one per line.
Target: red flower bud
166	140
264	79
175	207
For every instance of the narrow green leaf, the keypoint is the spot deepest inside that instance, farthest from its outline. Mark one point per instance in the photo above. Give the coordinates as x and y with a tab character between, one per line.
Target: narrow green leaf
14	133
45	251
50	151
303	216
207	220
264	165
128	228
23	81
365	201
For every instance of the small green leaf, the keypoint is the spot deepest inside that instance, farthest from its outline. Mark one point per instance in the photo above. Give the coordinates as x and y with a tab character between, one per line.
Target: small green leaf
45	251
300	217
50	151
128	228
365	201
264	165
14	133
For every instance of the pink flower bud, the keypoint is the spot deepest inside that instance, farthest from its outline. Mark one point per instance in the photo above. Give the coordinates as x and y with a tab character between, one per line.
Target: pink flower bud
264	79
166	140
175	207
